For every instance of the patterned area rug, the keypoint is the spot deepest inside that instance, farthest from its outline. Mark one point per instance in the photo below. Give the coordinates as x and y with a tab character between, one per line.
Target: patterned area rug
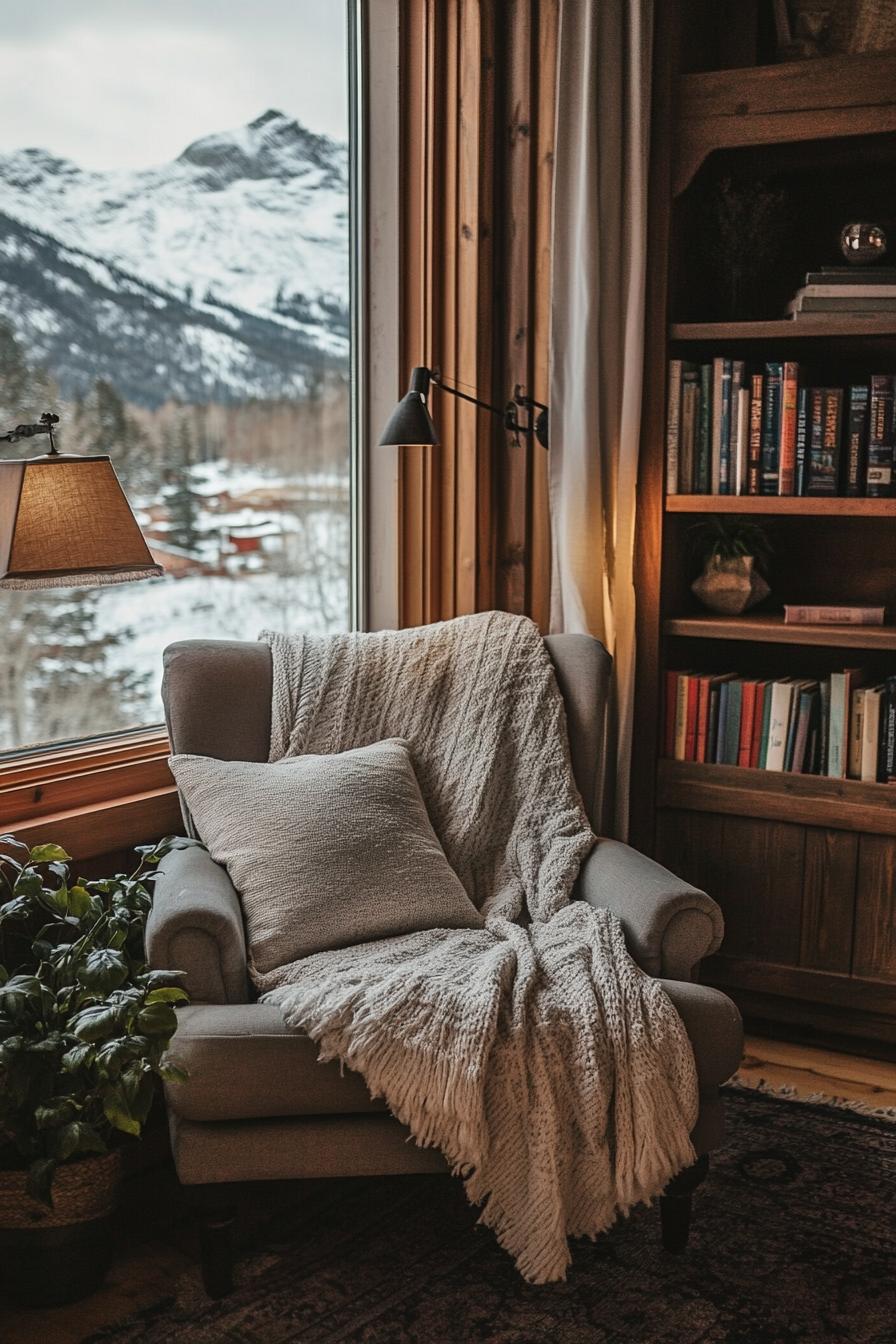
794	1242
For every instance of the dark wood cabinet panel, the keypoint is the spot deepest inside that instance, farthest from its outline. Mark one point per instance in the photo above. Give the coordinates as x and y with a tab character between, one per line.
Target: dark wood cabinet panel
762	894
874	951
829	881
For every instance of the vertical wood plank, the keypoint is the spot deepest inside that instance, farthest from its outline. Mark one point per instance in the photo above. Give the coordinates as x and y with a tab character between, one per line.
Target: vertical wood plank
545	76
829	881
691	845
874	946
762	889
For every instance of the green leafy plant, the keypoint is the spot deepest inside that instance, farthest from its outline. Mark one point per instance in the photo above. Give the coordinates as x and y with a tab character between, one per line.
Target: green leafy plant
84	1022
723	538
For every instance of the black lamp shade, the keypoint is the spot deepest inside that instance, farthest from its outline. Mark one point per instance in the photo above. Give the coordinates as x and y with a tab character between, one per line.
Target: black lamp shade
411	422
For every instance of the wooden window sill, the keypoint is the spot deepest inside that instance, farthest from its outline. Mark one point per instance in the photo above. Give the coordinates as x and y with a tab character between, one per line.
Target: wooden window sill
92	798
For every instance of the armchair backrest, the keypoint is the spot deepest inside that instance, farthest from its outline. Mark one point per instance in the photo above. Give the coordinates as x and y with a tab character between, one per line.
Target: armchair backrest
217	697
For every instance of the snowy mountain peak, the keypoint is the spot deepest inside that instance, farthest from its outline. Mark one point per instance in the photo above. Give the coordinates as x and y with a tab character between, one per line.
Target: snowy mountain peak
272	146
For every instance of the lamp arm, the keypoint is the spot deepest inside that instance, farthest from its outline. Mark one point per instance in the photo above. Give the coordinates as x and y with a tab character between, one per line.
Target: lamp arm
464	396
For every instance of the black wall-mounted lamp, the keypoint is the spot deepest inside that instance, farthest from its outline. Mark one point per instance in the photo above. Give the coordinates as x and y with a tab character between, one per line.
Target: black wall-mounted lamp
411	422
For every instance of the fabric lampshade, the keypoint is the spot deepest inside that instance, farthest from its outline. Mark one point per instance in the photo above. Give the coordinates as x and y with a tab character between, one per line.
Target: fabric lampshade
65	523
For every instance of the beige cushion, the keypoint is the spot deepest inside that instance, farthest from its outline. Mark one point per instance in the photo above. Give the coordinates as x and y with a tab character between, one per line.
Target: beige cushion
325	851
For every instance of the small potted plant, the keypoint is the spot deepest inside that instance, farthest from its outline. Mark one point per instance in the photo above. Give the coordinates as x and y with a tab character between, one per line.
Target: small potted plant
733	556
84	1027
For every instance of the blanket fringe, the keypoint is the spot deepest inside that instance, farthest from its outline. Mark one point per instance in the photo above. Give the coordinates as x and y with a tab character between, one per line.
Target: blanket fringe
789	1093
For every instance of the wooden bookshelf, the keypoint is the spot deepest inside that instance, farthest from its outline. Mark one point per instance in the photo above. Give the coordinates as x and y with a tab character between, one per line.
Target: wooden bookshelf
772	630
803	866
819	326
821	506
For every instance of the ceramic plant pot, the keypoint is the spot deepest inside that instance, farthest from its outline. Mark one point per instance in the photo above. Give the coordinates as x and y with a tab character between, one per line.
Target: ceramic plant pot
730	586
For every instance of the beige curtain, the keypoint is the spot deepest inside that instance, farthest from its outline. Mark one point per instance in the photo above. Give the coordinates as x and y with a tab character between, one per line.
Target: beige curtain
597	342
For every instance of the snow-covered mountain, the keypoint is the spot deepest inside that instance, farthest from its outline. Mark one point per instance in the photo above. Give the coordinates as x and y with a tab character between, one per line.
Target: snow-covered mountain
223	273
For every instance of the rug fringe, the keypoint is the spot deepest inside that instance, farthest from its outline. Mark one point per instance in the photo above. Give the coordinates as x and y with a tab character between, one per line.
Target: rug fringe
789	1093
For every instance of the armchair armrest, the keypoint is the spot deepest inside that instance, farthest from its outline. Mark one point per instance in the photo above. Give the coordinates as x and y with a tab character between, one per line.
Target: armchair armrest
669	925
196	926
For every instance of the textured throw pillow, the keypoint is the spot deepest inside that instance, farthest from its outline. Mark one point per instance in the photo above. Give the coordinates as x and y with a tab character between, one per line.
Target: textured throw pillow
325	851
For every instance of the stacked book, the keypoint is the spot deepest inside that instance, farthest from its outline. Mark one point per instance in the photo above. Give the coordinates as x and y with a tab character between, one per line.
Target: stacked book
841	726
845	290
733	430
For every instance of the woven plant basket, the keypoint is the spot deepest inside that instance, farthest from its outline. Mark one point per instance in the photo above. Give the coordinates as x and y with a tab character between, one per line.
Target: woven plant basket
82	1192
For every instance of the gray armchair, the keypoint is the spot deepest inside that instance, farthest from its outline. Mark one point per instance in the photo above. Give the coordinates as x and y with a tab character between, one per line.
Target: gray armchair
258	1105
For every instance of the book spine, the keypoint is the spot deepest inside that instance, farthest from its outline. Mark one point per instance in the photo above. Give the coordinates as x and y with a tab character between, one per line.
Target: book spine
856	439
690	739
771	428
879	470
887	772
824	459
838	729
802	441
715	450
703	693
871	734
702	471
747	711
673	426
742	447
758	717
779	723
787	443
681	716
754	463
725	430
732	721
761	762
801	735
721	722
801	615
856	716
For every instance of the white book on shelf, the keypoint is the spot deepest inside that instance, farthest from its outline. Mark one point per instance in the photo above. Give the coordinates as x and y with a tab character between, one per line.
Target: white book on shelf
871	733
779	724
742	445
856	719
673	426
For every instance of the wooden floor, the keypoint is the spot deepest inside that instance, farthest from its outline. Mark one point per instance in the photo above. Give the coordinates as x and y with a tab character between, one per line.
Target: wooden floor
147	1266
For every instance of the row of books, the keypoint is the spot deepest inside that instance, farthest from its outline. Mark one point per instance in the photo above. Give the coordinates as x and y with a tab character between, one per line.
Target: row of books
859	292
730	431
837	726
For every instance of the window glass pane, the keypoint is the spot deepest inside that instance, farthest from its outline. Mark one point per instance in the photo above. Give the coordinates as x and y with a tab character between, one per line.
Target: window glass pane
174	283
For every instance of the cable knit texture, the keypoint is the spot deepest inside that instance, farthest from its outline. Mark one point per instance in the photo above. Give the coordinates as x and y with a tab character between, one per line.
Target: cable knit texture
554	1075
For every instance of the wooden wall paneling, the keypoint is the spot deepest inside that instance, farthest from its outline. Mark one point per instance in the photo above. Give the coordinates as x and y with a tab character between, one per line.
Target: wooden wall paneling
475	243
477	163
763	889
513	296
690	844
829	882
540	329
874	946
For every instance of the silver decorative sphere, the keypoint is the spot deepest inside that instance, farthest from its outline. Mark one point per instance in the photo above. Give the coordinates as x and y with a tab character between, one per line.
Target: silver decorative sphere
863	243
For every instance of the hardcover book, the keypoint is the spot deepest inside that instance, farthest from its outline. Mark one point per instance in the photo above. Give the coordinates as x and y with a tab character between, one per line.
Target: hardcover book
673	425
881	438
824	457
820	615
704	432
856	439
771	428
754	464
787	444
802	441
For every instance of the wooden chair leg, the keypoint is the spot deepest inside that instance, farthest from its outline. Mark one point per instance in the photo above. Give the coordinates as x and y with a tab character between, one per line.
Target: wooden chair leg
217	1216
675	1205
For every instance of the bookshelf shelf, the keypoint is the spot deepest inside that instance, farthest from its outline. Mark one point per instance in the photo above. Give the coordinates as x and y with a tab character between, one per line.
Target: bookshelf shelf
783	329
794	101
772	630
821	506
813	800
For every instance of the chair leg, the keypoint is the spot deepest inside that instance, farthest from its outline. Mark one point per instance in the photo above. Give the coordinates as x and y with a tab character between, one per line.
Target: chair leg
217	1216
675	1205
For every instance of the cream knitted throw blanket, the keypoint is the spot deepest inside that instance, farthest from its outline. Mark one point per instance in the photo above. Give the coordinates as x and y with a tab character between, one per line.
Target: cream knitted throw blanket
553	1074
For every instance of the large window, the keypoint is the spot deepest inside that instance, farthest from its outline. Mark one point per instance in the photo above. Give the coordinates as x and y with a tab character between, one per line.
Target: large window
174	282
